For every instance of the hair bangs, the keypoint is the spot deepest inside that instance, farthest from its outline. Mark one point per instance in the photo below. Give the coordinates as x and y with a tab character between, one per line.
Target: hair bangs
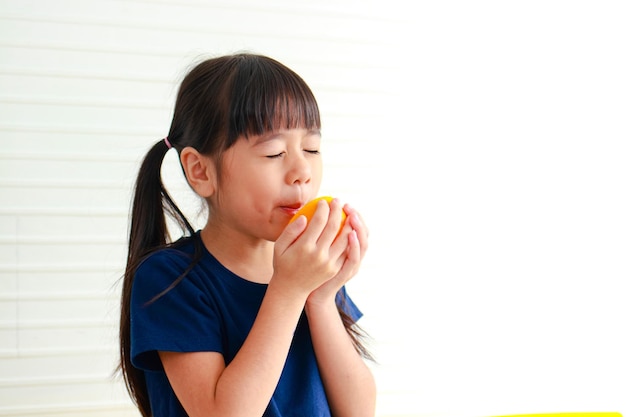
268	96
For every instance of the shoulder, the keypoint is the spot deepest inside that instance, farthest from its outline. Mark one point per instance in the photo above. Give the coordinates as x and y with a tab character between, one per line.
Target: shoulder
161	268
166	258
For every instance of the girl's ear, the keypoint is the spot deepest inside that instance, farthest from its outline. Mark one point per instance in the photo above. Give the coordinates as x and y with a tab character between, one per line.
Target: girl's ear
199	170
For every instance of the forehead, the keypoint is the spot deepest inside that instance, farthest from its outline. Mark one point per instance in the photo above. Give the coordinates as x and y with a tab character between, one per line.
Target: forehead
284	134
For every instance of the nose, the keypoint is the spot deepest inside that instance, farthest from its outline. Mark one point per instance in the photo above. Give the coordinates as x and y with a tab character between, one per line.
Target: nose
299	170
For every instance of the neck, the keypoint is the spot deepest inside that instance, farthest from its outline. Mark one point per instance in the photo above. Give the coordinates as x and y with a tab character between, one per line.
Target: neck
251	259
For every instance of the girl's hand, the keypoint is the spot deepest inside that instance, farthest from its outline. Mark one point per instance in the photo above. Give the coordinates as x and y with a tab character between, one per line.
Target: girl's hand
356	234
305	257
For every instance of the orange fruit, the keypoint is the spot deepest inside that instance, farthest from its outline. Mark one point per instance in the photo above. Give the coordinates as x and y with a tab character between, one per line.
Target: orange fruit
309	209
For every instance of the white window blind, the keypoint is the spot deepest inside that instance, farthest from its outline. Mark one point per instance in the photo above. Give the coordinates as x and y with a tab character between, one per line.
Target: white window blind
86	87
483	142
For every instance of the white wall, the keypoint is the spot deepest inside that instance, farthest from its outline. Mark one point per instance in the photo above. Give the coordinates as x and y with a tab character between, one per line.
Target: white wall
482	141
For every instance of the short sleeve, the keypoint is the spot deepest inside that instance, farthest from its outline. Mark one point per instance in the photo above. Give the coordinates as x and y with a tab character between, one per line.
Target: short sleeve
345	303
170	316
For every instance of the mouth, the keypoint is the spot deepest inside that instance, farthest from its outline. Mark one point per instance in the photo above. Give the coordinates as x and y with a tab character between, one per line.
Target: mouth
291	209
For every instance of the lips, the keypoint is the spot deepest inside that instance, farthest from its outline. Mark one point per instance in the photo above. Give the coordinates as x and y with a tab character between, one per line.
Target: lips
291	209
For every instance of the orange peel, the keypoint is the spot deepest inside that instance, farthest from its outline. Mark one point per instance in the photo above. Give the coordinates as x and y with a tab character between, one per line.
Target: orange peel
309	209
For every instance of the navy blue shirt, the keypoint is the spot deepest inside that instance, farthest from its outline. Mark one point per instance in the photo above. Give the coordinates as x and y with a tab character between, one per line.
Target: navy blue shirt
212	309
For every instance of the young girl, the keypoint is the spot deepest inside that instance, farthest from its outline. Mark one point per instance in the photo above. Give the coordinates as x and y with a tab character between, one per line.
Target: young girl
248	316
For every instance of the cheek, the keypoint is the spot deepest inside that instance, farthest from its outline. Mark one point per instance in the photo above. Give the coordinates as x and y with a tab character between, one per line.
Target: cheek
253	193
317	172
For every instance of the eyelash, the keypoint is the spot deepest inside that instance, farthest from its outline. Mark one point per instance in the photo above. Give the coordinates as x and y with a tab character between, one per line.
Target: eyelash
312	152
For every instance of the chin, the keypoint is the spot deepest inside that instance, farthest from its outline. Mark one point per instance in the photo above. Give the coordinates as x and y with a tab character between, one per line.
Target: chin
273	238
273	235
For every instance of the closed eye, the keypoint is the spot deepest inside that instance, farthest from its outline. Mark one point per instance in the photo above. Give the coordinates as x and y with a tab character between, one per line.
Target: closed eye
281	154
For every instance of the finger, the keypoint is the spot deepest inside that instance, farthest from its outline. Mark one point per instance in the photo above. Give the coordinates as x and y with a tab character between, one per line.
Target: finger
362	233
355	248
351	211
290	234
318	221
333	223
352	259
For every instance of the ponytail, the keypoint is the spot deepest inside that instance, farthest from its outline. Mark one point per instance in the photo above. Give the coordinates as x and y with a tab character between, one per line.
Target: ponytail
148	229
148	232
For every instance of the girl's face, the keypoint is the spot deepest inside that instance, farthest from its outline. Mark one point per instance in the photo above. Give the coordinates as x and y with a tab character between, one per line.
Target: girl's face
266	179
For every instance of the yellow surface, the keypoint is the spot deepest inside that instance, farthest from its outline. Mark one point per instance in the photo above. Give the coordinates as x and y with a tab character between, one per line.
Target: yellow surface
572	414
